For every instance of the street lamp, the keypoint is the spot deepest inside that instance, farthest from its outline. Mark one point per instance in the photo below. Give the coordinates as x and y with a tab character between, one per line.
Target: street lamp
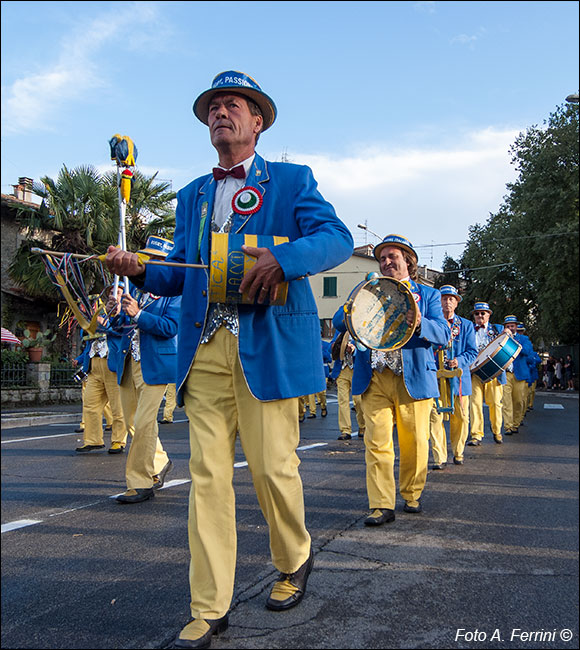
365	227
573	99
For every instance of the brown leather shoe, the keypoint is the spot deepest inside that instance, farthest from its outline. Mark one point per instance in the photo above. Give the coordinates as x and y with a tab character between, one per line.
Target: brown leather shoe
198	633
344	436
290	588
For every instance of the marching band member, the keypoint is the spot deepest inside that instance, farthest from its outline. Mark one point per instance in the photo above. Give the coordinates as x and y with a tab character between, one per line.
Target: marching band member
100	389
460	353
490	391
344	353
518	375
146	363
241	367
533	362
398	387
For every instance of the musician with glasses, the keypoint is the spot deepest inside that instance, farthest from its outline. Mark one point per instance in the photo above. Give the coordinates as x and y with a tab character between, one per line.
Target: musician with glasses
460	353
397	388
490	391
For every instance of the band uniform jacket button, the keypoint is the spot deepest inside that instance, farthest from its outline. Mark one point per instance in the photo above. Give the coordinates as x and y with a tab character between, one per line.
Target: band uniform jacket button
198	324
204	293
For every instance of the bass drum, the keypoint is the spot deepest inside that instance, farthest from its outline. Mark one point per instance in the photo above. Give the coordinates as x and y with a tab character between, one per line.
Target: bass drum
376	314
495	357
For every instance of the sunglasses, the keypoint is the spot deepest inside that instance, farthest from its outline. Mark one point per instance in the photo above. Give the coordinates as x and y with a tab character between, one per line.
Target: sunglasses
480	313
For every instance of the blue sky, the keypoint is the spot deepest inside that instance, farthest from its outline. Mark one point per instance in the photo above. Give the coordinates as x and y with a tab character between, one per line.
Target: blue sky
404	110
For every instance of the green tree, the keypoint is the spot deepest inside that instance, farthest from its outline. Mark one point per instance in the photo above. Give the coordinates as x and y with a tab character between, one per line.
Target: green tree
535	235
79	213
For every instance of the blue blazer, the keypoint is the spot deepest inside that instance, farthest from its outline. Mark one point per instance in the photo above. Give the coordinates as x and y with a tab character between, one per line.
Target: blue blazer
419	369
465	351
273	340
157	327
326	357
521	362
113	341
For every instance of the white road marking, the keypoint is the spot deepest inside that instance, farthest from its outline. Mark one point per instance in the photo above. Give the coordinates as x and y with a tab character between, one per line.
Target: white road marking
20	523
553	406
56	435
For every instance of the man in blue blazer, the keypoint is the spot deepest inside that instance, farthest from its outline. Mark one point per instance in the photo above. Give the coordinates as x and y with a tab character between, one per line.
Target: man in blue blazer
491	391
398	387
533	362
241	366
459	353
146	364
101	392
515	395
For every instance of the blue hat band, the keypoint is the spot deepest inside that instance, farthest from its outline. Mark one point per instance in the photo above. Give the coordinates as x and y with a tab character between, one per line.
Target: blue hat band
231	80
158	245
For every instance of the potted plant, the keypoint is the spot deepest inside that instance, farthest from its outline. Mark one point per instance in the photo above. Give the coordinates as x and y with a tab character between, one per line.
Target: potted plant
35	345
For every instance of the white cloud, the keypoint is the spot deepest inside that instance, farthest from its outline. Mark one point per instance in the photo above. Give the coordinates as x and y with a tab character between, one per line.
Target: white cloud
428	195
425	6
31	102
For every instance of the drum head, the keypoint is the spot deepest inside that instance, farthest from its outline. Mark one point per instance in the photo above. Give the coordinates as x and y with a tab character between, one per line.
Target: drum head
375	314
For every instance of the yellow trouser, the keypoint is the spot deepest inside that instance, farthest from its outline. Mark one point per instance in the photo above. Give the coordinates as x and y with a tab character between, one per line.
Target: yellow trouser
107	412
310	401
492	392
170	402
531	395
514	402
219	406
386	402
101	388
141	403
343	390
458	430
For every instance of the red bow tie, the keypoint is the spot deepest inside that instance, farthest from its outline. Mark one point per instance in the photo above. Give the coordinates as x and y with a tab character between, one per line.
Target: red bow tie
478	327
237	172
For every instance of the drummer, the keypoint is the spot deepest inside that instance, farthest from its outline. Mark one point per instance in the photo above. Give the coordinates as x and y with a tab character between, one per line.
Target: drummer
490	391
459	353
398	387
518	375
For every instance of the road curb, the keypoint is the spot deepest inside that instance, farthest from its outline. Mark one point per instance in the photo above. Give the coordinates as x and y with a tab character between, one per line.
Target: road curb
19	420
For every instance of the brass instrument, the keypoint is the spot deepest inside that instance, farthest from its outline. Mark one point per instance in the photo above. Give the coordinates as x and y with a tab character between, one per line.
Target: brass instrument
445	402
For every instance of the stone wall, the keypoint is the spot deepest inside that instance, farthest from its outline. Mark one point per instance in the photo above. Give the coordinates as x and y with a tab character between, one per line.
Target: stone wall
39	392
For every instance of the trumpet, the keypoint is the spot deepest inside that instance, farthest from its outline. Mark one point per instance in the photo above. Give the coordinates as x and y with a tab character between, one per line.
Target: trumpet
445	402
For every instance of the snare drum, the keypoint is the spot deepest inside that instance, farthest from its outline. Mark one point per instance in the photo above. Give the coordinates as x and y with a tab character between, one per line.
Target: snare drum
495	357
376	314
228	265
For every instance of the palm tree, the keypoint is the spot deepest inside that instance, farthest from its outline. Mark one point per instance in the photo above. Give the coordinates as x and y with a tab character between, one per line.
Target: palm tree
79	213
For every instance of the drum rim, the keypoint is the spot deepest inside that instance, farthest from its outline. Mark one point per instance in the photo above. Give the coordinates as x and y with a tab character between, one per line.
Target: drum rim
403	288
475	367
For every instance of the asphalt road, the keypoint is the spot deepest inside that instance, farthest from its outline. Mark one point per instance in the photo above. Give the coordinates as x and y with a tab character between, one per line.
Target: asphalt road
492	562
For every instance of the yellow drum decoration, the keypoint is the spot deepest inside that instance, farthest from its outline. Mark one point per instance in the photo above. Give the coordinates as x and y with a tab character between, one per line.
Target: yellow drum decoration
228	265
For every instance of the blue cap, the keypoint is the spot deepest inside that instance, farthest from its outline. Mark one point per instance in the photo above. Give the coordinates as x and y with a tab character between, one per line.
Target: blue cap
241	84
396	240
450	290
481	306
521	327
510	319
157	246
